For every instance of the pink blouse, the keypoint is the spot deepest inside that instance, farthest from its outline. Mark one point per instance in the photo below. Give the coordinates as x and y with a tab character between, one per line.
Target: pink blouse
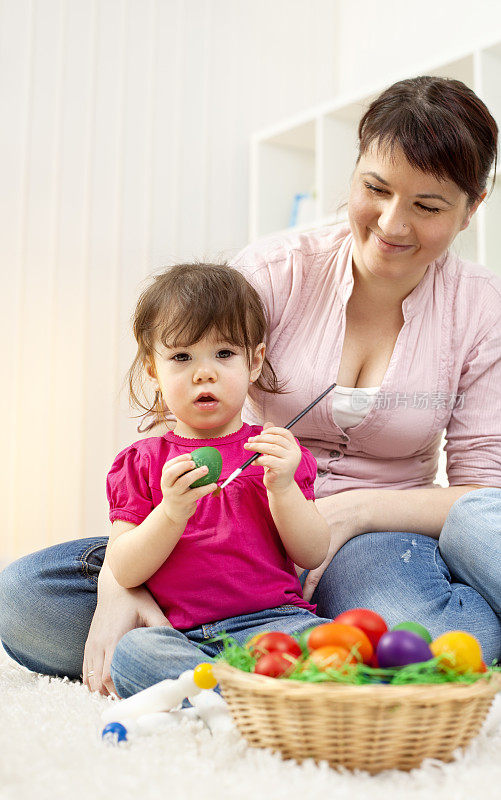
444	373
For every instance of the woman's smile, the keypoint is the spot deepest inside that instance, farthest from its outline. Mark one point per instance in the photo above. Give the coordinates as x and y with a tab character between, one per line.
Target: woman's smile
389	247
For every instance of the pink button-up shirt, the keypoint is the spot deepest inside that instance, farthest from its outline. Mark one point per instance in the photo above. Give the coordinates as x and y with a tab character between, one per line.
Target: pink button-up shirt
444	373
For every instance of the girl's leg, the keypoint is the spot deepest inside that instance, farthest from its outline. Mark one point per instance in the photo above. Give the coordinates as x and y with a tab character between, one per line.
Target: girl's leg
402	576
47	601
148	655
470	543
145	656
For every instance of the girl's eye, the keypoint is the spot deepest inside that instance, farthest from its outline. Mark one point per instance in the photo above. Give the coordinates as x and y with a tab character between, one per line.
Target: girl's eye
225	353
419	205
180	357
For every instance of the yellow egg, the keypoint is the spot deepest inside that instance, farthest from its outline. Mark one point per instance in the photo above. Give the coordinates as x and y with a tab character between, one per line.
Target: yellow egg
461	650
203	676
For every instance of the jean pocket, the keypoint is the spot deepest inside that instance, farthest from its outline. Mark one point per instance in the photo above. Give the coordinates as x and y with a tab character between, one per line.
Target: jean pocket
92	559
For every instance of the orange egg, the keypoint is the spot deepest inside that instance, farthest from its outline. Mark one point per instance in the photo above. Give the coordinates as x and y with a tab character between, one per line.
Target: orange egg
331	657
335	633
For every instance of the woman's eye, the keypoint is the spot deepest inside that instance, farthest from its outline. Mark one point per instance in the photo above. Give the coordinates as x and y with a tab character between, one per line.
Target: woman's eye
426	208
374	189
225	353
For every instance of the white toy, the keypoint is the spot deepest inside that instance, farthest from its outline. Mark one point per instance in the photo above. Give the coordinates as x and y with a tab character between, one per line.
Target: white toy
145	712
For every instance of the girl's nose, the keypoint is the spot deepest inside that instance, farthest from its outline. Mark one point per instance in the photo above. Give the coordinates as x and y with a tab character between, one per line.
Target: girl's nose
204	373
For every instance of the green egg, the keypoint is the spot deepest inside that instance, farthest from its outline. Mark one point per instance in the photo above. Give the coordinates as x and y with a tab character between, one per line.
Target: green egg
207	457
414	627
303	639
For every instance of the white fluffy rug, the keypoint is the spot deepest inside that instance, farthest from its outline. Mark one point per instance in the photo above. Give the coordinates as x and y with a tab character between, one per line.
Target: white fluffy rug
50	747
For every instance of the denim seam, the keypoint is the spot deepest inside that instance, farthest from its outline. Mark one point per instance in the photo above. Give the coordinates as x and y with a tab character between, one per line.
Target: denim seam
447	580
85	566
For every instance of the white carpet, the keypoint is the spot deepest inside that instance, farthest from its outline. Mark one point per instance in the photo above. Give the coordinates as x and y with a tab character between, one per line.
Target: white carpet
50	747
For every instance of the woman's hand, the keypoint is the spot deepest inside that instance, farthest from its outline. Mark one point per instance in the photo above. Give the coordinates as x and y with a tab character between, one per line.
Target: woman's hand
118	611
179	499
281	456
347	517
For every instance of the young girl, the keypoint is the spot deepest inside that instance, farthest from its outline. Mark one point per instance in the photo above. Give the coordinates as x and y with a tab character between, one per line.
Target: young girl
213	563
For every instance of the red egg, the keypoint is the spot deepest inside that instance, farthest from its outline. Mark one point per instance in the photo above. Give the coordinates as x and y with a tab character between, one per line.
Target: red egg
274	642
274	665
371	623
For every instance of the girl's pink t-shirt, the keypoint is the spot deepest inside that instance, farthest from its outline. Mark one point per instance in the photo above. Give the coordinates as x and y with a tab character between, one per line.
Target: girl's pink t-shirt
230	559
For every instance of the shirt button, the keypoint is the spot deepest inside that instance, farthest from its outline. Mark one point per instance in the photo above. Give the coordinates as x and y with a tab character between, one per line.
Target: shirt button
344	437
334	453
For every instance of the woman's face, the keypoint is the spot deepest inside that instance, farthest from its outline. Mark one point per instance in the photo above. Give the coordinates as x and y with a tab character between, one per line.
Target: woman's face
402	219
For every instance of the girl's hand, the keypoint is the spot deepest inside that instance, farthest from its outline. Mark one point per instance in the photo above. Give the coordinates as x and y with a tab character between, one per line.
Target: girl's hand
118	611
280	459
179	500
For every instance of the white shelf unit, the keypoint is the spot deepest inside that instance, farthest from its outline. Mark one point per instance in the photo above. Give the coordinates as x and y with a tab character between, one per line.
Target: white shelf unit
315	153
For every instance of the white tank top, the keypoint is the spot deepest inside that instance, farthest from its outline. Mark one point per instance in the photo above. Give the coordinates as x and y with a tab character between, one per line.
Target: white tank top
350	406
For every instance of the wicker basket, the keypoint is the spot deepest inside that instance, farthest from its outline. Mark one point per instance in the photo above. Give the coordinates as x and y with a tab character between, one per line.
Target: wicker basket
358	727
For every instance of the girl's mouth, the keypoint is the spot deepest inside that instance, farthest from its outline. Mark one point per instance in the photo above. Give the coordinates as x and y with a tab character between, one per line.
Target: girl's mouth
206	401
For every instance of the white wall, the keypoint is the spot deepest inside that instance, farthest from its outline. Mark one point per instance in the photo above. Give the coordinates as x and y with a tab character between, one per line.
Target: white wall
124	130
385	41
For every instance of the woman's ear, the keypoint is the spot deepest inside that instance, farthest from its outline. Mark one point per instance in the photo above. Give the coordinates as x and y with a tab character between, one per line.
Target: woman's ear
471	210
257	362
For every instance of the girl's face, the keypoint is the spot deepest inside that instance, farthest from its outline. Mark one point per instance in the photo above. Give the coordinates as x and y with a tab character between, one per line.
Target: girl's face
402	219
205	384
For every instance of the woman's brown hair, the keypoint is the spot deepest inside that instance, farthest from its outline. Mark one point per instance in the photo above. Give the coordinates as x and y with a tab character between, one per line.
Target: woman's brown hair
187	302
442	127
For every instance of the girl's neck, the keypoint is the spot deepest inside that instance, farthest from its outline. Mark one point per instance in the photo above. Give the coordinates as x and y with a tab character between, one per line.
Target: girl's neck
187	432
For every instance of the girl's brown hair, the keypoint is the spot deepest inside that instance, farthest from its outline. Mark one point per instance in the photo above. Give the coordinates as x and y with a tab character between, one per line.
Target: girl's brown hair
442	127
187	302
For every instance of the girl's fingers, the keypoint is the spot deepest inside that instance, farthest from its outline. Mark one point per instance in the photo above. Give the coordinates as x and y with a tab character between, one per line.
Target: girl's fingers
185	481
268	448
269	461
283	433
202	491
177	459
173	471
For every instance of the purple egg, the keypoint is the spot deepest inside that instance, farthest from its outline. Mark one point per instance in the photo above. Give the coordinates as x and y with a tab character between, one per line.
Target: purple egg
398	648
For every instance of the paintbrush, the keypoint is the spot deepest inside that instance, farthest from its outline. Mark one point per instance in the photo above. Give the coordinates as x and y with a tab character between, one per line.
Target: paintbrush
237	472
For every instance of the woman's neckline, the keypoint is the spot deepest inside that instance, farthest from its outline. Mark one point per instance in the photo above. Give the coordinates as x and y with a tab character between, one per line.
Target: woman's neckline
346	389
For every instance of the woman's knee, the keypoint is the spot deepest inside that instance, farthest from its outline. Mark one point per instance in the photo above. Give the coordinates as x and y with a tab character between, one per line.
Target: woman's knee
470	542
402	576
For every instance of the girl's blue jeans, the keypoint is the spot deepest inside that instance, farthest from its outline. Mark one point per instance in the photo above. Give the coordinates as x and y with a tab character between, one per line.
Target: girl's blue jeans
48	598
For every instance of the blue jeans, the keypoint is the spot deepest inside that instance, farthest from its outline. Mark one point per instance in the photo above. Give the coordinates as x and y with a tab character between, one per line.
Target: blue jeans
143	652
48	598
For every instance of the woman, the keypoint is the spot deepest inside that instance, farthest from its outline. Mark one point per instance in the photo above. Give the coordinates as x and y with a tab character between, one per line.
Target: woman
379	305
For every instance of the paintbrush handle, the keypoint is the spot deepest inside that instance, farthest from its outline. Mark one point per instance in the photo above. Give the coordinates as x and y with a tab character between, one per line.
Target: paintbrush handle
293	421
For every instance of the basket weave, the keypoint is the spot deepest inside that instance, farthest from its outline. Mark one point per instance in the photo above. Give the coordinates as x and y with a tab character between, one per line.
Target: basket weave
358	727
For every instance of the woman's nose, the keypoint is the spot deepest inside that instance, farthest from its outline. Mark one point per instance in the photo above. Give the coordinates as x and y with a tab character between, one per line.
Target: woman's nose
393	221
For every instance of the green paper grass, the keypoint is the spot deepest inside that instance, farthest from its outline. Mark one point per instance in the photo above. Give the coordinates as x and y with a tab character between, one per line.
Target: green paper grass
426	672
